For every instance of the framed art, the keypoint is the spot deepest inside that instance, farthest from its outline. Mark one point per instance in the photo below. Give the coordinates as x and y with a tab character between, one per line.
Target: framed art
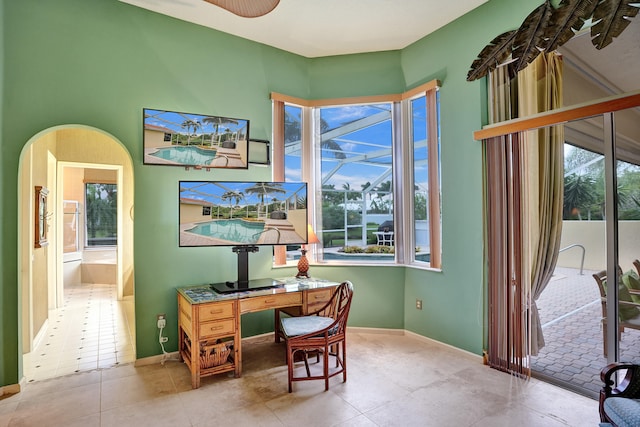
41	216
259	152
173	138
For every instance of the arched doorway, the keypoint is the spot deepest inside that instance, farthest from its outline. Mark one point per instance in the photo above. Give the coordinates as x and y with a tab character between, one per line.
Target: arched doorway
77	314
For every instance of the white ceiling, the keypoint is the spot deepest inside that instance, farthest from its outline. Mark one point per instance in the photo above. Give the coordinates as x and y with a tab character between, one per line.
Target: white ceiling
316	28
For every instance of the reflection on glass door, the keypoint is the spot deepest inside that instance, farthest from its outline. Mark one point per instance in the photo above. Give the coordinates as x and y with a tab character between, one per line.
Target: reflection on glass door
627	140
570	307
71	216
580	338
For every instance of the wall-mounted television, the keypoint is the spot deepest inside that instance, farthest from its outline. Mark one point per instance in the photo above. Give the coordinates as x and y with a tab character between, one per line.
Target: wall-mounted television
174	138
244	215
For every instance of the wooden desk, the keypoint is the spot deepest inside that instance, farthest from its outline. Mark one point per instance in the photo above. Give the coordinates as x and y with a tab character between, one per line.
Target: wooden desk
206	318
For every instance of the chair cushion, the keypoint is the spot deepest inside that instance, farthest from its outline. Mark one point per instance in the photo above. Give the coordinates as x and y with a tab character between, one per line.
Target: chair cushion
632	282
622	411
626	311
295	326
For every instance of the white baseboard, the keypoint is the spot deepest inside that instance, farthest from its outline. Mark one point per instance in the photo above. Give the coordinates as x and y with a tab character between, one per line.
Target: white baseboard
358	330
40	335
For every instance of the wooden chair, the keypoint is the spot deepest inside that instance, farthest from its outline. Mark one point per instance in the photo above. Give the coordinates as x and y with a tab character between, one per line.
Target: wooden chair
621	381
321	333
629	312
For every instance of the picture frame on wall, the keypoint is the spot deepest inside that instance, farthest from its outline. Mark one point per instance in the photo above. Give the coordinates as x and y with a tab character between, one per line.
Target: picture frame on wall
41	215
259	152
172	138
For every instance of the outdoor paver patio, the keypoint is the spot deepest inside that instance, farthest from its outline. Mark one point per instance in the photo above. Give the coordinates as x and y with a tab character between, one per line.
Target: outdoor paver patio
570	313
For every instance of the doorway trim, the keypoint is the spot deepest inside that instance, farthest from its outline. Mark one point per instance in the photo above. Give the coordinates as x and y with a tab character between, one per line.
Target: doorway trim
124	166
59	285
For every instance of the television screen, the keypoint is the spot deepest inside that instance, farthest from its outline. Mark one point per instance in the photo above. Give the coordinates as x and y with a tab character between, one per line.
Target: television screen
234	213
172	138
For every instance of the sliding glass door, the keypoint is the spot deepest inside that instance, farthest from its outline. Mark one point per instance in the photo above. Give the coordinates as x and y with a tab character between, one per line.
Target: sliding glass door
587	320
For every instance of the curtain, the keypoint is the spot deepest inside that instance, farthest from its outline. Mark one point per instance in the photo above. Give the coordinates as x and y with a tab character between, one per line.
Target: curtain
539	89
507	344
523	206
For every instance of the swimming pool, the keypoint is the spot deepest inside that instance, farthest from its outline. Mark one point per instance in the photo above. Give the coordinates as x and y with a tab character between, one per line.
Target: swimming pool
186	155
235	230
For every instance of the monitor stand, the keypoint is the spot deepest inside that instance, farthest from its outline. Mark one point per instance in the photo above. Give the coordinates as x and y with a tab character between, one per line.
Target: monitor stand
243	283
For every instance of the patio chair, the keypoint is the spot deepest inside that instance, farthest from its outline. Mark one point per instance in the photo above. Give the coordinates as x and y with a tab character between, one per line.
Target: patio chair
385	238
620	395
628	311
321	333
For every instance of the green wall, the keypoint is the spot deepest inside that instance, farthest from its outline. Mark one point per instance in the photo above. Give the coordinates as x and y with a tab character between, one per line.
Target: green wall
453	309
99	63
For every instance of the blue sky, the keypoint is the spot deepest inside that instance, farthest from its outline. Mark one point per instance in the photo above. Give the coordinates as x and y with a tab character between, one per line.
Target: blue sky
212	191
174	120
368	140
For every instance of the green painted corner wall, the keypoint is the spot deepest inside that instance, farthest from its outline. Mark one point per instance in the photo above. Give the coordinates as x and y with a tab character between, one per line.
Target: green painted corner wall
99	63
453	299
7	317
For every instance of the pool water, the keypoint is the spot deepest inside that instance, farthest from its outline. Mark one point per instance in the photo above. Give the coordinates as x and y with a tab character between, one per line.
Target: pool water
235	230
186	155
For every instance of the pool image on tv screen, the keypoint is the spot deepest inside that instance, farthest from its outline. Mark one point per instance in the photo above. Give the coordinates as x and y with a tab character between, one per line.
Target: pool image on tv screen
173	138
231	213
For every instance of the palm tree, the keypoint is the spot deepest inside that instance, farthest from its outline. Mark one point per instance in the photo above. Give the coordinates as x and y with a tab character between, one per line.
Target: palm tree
216	122
188	125
232	196
351	195
292	128
330	144
578	194
101	207
264	188
382	190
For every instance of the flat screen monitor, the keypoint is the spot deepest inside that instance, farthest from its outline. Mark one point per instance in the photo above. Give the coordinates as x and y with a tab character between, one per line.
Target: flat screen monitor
173	138
232	213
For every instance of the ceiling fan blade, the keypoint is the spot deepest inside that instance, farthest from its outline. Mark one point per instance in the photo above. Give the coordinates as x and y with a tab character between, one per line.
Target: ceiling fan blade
246	8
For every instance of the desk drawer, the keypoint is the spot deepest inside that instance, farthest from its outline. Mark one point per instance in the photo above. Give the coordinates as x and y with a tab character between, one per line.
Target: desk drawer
217	328
270	301
218	310
317	298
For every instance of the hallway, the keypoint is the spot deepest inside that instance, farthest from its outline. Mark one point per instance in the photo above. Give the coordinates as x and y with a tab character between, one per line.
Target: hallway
91	330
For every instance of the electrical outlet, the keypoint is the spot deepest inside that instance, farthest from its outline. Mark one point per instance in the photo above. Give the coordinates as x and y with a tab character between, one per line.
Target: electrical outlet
162	321
418	304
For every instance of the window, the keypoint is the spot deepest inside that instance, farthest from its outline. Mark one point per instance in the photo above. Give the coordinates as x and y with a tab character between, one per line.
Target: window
355	146
101	214
426	178
372	165
292	143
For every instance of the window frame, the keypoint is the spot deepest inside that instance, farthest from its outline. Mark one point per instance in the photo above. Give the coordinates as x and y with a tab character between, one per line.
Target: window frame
86	221
402	152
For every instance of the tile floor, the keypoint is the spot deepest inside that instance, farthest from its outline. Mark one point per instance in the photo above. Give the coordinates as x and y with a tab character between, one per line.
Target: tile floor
91	330
394	380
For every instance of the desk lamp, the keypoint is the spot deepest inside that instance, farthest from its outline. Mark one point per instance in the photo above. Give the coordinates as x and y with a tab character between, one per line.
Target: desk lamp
303	263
